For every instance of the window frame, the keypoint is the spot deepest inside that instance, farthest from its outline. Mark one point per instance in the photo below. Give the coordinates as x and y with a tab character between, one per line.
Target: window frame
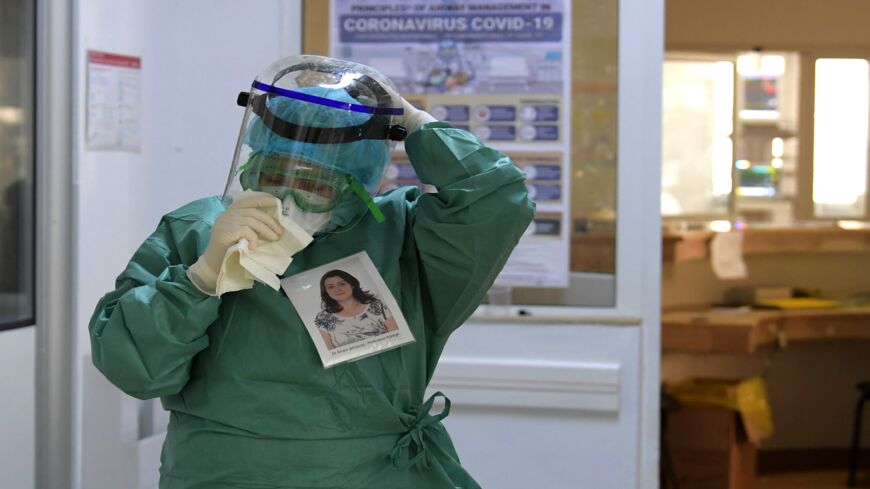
640	41
31	318
804	204
711	56
640	61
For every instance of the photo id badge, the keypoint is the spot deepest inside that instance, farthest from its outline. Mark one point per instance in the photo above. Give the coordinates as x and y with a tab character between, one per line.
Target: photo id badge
347	309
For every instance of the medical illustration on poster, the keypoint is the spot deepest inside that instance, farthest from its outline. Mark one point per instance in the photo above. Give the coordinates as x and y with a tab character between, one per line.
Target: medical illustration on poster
498	69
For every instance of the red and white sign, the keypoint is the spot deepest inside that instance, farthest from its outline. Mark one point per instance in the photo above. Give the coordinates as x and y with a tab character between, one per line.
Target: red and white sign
112	59
113	95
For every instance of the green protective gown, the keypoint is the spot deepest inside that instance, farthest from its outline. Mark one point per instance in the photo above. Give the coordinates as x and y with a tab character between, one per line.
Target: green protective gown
250	404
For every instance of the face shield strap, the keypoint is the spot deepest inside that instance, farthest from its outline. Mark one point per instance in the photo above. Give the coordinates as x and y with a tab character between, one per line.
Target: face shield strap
384	101
376	127
367	198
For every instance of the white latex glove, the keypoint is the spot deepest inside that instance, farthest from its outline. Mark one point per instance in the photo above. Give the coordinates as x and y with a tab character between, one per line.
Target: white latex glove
243	219
414	117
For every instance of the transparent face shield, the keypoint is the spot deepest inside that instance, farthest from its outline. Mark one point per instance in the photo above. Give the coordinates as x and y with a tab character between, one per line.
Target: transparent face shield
315	129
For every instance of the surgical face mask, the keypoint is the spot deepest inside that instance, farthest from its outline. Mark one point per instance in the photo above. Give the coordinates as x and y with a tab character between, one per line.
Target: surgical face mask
310	222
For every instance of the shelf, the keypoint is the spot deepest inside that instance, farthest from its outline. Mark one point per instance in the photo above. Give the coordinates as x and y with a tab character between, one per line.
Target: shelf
596	251
739	332
695	245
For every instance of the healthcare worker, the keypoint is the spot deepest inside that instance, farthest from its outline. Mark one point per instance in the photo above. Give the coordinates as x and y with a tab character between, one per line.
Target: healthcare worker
251	405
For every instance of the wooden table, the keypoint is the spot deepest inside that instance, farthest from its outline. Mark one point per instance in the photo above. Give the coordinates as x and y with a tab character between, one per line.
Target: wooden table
743	332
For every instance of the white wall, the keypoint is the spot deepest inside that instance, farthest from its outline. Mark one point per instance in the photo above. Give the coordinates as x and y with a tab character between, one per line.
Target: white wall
197	55
17	409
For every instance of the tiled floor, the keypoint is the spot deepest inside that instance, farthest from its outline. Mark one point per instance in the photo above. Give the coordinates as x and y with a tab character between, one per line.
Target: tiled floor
810	480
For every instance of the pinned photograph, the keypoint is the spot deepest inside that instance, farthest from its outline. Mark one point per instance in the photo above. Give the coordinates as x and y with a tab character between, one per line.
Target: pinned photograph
347	309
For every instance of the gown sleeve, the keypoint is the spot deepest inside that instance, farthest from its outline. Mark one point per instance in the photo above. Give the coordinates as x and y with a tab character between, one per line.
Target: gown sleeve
145	333
465	231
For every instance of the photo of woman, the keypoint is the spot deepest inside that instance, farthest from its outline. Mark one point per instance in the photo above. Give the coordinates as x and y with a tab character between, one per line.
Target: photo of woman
349	313
352	314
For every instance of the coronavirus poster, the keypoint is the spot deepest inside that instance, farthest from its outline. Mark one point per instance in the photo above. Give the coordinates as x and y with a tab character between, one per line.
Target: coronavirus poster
498	69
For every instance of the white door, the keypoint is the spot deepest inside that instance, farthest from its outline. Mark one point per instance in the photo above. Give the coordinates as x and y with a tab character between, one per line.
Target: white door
561	389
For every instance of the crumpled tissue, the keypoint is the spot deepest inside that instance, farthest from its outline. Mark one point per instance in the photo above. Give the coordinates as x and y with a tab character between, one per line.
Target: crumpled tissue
242	265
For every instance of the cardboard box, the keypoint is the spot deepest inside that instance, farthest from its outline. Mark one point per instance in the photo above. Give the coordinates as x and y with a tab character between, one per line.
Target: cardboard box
748	397
709	449
715	434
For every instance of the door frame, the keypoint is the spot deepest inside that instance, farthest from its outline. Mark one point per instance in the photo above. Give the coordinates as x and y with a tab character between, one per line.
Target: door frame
55	338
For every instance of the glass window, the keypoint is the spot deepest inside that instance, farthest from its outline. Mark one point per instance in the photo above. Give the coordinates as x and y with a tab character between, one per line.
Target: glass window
594	61
698	106
591	230
842	110
730	136
766	137
16	163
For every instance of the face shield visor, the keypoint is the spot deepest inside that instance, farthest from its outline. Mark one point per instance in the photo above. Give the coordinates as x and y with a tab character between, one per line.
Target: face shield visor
315	129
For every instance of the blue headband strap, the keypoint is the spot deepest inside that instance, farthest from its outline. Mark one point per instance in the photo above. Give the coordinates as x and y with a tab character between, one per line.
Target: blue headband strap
325	101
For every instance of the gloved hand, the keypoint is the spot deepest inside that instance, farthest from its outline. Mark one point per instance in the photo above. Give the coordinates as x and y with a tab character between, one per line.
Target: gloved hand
414	117
243	219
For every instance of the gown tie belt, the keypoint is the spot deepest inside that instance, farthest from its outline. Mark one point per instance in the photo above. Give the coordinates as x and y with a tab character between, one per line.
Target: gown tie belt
410	450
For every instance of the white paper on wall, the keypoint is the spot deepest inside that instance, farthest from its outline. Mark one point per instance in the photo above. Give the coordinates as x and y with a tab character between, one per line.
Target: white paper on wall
113	102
